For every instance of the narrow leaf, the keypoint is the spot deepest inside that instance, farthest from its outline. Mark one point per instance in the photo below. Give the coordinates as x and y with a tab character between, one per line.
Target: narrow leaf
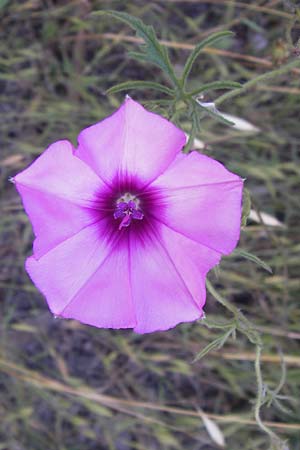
253	258
128	85
153	51
216	85
210	40
215	344
138	56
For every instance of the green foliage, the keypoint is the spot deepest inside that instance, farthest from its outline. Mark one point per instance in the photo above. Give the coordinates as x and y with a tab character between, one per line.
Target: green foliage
128	85
152	51
214	85
253	258
210	40
216	344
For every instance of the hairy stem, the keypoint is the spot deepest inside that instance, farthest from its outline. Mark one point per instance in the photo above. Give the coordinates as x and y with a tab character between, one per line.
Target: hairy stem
221	299
275	440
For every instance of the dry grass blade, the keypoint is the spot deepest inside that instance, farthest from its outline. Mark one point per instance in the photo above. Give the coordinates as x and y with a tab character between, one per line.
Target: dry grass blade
46	383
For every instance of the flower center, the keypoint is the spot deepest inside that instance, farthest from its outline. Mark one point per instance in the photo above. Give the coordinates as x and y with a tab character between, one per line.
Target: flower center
127	210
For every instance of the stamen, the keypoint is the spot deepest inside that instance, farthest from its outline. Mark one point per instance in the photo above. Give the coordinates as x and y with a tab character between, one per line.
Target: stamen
127	210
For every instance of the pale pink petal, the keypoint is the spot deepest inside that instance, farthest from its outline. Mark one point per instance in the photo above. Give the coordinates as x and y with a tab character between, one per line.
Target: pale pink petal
61	272
194	169
58	190
105	300
202	200
161	297
191	259
86	278
131	142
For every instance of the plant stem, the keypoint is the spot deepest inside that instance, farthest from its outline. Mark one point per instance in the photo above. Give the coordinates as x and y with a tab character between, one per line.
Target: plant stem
276	441
242	323
221	299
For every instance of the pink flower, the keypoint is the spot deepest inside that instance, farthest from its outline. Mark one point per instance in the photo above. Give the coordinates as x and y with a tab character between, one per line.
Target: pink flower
126	225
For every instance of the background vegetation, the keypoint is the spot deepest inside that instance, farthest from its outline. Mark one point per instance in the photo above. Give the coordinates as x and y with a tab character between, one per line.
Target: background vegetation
65	386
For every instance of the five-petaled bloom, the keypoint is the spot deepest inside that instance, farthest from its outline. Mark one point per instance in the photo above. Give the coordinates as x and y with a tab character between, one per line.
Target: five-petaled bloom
126	225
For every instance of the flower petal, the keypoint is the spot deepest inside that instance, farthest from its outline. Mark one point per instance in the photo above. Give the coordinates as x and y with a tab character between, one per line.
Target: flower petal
202	200
131	142
57	190
105	299
86	278
191	259
61	272
161	297
194	169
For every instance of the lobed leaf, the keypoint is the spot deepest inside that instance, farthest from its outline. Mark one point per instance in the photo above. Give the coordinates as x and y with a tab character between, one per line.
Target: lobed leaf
210	40
153	51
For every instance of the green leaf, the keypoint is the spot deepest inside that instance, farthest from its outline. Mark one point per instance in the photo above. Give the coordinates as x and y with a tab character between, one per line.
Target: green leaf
128	85
152	51
210	40
216	85
253	258
139	56
216	344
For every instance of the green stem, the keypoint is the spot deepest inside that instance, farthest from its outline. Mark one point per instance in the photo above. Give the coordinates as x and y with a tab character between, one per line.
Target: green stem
259	400
261	78
221	299
242	323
